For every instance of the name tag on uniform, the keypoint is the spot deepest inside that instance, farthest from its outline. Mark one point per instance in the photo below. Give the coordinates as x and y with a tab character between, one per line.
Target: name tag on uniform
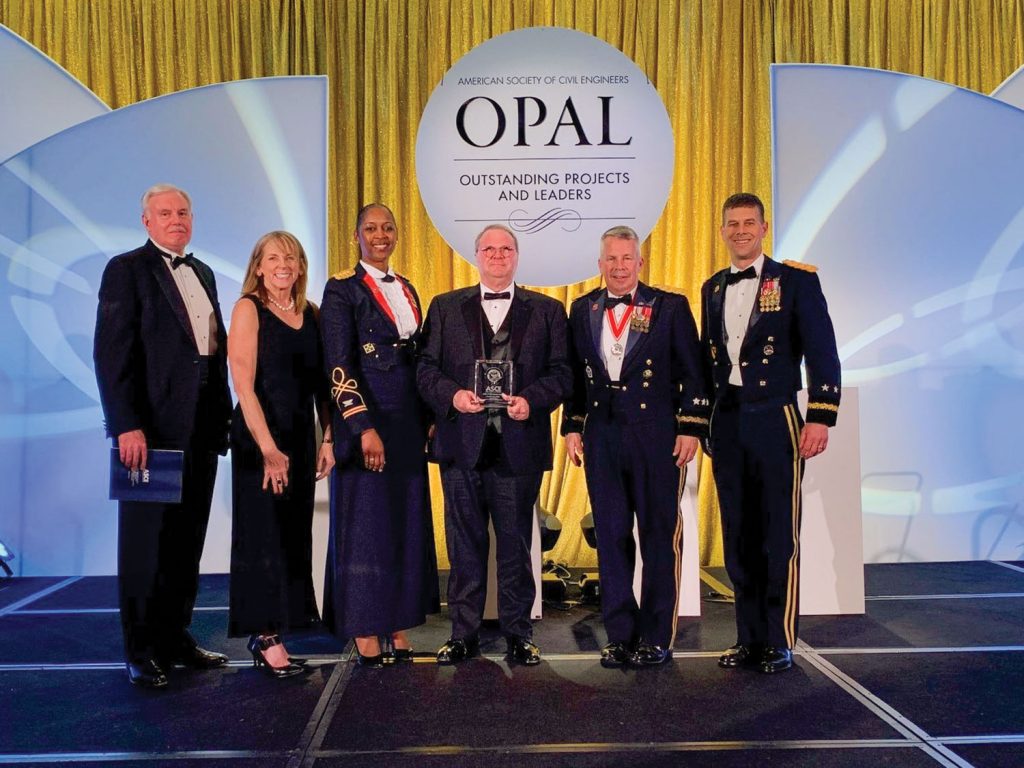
159	482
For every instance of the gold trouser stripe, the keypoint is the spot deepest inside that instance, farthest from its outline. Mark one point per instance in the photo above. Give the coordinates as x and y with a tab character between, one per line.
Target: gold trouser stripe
793	576
678	551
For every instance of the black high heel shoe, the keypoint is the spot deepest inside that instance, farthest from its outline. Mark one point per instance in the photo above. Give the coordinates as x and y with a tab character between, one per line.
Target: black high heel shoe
370	662
257	645
398	655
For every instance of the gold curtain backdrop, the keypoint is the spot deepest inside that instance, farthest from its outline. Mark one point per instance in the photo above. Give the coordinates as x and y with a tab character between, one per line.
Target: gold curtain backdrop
708	60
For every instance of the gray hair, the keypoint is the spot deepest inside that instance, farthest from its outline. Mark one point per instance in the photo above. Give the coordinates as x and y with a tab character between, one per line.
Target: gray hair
501	228
622	232
159	189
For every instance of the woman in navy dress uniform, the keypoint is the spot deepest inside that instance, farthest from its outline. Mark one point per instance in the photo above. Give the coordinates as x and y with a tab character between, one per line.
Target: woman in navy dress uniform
381	567
277	367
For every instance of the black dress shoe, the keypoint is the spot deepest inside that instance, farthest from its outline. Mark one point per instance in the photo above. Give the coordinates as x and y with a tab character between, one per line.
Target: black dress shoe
146	673
523	651
614	655
740	655
647	655
458	649
197	658
401	655
775	660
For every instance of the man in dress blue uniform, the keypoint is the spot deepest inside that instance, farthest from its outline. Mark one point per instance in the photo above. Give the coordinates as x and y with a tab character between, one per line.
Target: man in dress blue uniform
760	319
638	408
492	459
161	366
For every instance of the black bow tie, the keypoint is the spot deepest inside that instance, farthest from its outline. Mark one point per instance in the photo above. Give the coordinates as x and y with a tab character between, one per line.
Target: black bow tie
488	296
388	279
610	302
177	261
734	277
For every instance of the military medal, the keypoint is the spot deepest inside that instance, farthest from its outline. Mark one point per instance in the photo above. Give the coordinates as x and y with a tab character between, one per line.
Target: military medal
618	328
640	319
770	299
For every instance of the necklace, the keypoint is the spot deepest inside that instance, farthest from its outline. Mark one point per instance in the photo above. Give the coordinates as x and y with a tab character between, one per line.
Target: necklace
289	308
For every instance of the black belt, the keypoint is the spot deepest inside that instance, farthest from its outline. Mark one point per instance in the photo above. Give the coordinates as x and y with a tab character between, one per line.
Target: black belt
732	400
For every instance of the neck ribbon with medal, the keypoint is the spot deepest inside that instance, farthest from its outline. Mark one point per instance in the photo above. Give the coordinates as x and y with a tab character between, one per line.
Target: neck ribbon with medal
639	319
618	328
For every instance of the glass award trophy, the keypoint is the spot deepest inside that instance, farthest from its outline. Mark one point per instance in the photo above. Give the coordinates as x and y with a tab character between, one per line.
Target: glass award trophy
491	380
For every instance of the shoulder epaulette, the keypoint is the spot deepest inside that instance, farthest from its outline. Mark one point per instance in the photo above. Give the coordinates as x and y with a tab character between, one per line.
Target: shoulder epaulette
800	265
344	274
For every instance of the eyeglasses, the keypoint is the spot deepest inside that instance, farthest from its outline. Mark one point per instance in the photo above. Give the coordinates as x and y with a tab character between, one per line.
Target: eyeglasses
490	250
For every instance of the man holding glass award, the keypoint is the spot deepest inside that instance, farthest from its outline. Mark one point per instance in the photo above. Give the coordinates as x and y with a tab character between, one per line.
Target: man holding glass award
494	365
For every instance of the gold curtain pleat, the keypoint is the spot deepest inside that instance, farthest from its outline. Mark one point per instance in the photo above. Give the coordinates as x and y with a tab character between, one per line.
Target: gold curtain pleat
707	58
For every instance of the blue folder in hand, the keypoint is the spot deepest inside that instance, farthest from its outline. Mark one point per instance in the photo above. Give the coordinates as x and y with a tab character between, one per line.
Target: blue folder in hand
159	482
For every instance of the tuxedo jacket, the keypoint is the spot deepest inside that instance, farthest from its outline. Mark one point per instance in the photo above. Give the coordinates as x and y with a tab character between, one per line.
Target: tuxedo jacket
538	349
145	354
789	323
370	368
661	380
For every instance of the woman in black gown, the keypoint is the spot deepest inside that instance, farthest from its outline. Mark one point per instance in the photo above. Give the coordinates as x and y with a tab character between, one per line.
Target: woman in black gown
381	566
277	367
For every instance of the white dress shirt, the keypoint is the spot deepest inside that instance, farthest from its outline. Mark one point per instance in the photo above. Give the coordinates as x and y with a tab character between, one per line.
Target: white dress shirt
613	362
394	295
197	303
495	310
739	303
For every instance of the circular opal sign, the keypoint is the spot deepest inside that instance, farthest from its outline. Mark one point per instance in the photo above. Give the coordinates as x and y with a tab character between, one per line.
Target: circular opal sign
553	133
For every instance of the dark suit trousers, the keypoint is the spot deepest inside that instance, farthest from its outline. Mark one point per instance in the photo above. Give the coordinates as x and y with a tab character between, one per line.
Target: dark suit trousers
158	553
758	469
471	497
631	473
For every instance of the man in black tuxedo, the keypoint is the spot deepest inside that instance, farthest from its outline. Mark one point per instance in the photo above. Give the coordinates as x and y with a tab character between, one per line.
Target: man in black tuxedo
161	365
492	459
760	320
638	408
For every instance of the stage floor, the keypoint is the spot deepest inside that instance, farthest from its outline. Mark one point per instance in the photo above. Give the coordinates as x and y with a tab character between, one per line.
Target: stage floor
932	673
